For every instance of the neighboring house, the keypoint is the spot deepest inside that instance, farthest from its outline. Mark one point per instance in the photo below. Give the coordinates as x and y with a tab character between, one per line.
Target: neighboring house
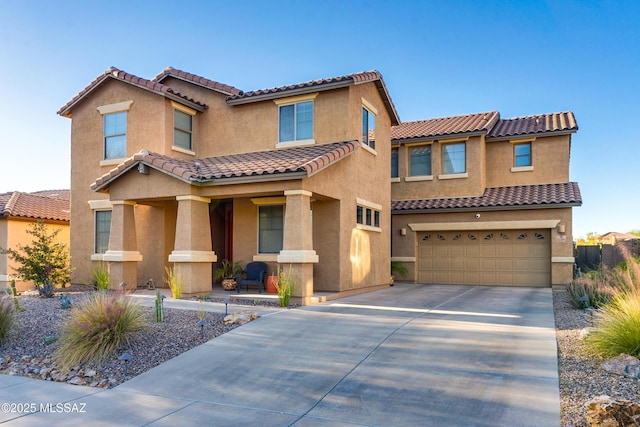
483	200
184	171
613	237
18	211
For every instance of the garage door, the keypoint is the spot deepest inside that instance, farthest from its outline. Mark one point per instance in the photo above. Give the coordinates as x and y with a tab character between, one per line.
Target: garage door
488	257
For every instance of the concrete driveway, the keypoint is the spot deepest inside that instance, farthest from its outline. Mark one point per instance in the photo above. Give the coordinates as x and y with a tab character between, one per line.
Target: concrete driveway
408	355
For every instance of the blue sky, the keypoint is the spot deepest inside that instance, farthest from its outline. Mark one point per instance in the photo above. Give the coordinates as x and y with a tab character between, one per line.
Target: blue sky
438	58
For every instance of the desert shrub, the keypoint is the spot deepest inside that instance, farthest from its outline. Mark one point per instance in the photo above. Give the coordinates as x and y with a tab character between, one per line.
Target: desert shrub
617	326
589	292
98	327
100	276
285	286
7	315
174	281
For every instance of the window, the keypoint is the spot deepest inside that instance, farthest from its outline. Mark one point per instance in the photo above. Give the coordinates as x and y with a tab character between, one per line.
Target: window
182	129
296	121
454	158
420	160
115	135
102	230
394	163
368	216
368	128
271	226
522	154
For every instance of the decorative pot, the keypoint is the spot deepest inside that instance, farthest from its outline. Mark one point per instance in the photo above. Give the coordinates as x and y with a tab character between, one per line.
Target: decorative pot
229	284
271	284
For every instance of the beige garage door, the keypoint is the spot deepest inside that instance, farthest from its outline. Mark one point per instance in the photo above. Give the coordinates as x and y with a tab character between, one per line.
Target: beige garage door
489	257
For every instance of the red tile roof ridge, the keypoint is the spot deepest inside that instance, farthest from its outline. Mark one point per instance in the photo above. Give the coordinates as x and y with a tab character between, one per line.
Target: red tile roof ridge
196	79
117	74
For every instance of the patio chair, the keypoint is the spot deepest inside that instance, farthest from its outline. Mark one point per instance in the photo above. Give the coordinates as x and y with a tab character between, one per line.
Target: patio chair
255	274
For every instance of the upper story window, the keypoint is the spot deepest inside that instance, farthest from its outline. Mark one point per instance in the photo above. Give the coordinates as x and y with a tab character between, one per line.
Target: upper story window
368	128
296	121
454	158
522	154
270	228
420	160
182	130
115	135
394	162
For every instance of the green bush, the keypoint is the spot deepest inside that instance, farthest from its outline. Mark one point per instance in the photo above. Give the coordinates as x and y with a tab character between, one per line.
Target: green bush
7	315
98	327
617	326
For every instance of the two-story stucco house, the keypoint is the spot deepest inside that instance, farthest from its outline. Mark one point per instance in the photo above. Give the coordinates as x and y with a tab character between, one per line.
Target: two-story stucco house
181	170
320	177
483	200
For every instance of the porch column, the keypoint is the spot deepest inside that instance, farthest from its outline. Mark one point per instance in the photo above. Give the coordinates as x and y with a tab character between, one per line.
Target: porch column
297	244
192	254
123	255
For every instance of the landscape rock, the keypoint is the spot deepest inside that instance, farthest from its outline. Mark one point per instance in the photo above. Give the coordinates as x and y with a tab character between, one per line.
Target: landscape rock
604	411
624	364
240	317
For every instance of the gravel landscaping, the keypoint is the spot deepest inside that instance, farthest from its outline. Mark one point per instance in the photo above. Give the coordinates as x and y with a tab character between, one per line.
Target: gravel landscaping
26	352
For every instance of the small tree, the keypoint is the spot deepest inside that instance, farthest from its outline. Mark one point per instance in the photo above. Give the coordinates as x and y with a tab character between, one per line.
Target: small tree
45	261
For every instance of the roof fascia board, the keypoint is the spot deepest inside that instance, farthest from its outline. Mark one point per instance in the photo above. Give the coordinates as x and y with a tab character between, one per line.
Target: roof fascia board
291	92
486	209
531	135
438	137
249	179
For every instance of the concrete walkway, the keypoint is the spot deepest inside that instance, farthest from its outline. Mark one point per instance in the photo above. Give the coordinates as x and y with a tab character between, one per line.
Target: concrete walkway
409	355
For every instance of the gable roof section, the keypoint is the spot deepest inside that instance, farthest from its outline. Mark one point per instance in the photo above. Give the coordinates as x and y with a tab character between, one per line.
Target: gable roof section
271	165
195	79
116	74
445	126
532	125
321	85
519	196
35	205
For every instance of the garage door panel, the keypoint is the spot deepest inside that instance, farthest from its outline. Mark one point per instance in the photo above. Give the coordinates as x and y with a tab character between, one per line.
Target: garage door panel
500	257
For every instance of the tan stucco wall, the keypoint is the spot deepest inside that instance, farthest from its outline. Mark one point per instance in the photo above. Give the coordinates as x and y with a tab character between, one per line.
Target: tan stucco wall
550	159
13	232
405	247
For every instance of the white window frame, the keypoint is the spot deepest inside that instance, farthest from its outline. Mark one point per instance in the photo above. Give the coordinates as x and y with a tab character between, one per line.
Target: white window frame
295	101
528	168
190	112
104	110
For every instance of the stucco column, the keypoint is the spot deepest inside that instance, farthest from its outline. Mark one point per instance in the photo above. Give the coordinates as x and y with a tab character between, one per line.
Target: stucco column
192	255
123	255
297	244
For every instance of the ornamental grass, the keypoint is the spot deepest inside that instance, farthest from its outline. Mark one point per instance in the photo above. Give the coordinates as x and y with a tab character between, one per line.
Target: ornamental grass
98	327
7	315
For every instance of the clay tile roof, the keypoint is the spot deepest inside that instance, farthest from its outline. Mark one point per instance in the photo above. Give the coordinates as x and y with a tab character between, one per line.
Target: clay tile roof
543	123
193	78
470	123
36	205
114	73
320	85
525	196
297	162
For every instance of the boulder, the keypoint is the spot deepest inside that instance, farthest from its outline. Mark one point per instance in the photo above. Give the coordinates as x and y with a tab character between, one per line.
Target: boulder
604	411
624	364
240	317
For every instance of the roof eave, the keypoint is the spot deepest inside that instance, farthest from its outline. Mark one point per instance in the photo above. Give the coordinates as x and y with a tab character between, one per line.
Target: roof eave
487	208
530	135
439	136
249	179
290	92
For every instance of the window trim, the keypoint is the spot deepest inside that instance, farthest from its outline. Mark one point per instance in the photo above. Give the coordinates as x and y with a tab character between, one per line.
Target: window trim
106	137
103	110
371	213
444	174
294	100
185	110
397	151
371	110
410	177
95	232
265	203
